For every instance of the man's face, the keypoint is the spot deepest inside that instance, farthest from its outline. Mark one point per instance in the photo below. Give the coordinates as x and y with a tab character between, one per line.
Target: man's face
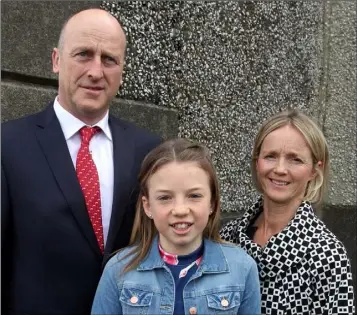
89	66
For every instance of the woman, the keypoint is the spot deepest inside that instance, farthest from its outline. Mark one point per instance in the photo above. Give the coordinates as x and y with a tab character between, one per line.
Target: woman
303	267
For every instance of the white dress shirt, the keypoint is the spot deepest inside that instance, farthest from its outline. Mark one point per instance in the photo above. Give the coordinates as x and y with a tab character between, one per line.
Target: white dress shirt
101	148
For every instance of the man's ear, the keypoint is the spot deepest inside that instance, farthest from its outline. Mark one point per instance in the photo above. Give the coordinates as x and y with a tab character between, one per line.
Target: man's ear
55	60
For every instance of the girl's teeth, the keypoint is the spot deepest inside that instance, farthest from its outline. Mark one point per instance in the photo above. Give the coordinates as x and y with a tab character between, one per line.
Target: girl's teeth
181	226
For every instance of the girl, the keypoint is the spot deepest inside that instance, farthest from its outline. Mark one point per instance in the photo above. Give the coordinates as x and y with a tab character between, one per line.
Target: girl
176	263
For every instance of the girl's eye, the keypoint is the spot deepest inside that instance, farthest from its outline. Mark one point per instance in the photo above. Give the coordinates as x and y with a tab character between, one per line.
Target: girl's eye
163	198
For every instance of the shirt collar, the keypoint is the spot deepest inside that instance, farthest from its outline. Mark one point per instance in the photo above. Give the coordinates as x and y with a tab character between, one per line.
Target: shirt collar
71	125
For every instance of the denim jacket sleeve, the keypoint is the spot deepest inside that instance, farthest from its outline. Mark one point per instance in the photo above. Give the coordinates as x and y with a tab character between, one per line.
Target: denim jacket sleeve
251	299
106	300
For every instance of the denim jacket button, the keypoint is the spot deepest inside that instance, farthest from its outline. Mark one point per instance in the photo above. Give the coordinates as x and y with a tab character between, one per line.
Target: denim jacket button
193	310
134	299
224	303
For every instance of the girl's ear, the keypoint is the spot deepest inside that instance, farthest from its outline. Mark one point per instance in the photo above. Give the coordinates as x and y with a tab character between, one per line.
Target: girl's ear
146	206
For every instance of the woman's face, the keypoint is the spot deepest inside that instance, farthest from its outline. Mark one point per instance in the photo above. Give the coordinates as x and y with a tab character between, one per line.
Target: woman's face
284	166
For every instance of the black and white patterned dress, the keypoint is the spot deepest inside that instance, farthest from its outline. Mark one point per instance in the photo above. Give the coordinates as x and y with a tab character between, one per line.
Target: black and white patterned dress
303	270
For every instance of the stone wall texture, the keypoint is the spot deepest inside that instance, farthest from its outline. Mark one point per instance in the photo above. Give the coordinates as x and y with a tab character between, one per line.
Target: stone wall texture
212	71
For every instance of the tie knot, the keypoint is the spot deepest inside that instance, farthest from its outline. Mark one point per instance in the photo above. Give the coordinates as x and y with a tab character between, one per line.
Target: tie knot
87	133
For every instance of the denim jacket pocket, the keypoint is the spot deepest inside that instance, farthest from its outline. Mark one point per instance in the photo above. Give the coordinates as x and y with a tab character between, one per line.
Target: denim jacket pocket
135	300
224	302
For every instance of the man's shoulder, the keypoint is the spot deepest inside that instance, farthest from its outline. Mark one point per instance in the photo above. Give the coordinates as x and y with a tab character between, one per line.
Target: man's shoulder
130	126
140	136
28	120
18	122
18	127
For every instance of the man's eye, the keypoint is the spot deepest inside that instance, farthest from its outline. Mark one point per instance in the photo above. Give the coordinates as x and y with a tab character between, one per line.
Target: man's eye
109	60
82	54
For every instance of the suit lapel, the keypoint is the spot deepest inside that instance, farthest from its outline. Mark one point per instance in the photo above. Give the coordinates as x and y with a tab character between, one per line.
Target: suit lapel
54	146
123	156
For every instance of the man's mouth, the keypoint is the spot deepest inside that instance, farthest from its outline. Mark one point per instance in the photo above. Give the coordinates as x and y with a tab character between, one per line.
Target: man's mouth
93	88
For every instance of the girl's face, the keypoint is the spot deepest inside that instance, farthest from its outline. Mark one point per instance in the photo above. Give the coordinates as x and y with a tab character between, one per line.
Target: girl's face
179	202
285	166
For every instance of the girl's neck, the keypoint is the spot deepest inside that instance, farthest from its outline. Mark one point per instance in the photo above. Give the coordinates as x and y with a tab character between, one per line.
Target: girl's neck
183	251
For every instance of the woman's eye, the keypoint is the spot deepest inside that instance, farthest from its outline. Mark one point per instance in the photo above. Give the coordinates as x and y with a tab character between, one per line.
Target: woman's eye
297	160
195	196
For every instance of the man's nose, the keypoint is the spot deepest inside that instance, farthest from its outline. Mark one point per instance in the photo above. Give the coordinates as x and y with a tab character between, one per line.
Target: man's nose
95	71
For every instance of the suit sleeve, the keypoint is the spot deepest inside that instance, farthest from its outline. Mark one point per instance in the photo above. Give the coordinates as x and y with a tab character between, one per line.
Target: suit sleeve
6	242
333	287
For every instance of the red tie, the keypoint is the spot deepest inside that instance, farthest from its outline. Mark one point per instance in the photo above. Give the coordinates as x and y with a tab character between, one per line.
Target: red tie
88	179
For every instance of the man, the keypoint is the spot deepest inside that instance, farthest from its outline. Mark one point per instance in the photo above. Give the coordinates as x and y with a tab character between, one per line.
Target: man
69	177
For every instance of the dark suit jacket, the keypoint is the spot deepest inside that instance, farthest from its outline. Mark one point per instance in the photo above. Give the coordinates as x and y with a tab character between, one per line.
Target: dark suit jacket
51	261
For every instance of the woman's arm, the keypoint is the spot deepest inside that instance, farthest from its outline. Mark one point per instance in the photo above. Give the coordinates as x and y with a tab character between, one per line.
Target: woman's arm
333	286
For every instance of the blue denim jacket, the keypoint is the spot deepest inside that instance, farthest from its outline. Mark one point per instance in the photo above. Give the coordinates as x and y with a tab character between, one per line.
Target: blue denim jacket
226	273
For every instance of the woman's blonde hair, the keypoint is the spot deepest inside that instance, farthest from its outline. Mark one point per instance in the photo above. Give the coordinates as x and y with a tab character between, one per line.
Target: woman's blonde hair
177	150
317	187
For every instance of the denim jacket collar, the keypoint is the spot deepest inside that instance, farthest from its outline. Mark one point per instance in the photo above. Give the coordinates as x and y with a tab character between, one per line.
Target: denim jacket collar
213	260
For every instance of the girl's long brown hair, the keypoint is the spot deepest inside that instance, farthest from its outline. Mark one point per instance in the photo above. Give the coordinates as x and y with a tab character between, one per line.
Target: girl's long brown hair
177	150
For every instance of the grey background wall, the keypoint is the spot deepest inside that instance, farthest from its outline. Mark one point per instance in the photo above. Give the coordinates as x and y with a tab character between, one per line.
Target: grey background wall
212	71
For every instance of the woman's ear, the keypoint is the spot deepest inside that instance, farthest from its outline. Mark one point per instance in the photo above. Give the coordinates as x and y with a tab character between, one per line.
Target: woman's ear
146	206
317	166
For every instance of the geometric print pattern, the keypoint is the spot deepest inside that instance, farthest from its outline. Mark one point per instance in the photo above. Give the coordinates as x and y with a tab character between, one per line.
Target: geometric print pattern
303	270
89	181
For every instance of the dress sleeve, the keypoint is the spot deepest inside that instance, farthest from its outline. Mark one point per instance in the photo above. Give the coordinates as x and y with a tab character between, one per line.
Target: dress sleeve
333	287
229	231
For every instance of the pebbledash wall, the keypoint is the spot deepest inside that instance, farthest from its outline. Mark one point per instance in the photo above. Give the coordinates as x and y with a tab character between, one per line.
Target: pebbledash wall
212	71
